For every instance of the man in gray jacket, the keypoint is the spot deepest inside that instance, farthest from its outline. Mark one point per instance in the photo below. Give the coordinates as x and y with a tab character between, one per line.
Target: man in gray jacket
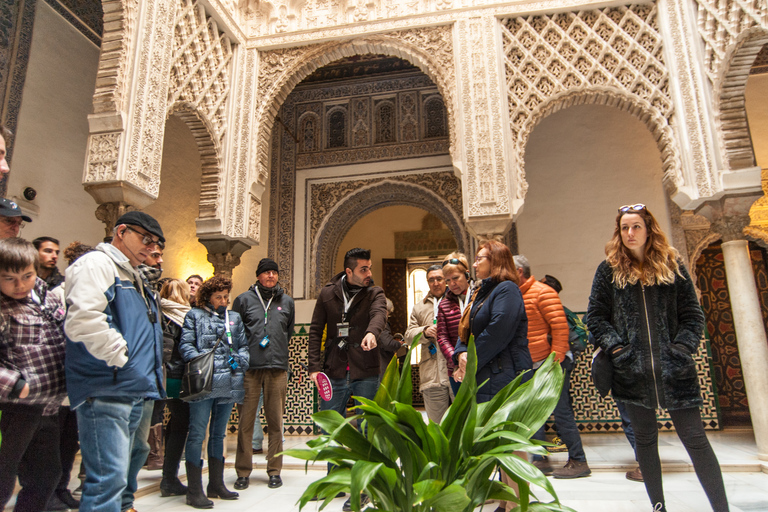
268	315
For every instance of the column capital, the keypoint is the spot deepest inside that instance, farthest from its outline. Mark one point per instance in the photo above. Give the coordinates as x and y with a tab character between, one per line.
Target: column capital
224	253
728	216
108	213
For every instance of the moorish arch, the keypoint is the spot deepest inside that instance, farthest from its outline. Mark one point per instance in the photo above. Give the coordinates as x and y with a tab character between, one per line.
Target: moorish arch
340	219
729	87
653	119
430	49
209	150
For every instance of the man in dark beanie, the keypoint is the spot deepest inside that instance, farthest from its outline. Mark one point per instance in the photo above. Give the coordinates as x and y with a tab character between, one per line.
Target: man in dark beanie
114	356
268	314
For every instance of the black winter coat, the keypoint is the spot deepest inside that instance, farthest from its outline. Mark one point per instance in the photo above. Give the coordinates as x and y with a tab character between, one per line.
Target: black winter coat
367	313
500	326
658	329
174	363
279	327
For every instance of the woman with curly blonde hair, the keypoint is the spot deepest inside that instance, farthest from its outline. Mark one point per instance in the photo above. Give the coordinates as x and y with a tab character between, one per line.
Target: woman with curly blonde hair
644	313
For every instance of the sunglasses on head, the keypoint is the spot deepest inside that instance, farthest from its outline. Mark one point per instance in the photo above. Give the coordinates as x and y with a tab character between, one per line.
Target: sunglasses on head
452	261
632	208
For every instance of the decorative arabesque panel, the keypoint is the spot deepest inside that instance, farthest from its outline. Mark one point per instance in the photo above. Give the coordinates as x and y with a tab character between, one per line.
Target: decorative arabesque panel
200	73
200	83
721	22
612	56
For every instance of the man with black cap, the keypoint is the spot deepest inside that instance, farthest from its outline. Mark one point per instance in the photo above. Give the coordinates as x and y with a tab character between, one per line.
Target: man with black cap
268	314
114	358
11	219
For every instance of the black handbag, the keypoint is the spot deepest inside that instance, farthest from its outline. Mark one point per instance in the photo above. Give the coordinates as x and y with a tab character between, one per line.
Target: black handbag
602	372
197	382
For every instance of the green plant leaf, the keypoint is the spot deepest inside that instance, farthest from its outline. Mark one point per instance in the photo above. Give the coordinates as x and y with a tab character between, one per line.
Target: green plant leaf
362	474
451	499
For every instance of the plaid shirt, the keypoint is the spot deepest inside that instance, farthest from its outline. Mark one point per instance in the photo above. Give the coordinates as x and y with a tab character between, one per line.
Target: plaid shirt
32	347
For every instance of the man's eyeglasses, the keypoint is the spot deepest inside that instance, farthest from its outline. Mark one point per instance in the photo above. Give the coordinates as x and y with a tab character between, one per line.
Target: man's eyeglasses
13	221
147	240
632	208
435	280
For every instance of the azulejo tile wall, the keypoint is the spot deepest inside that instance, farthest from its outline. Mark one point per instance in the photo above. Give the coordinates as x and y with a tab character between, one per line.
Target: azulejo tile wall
593	413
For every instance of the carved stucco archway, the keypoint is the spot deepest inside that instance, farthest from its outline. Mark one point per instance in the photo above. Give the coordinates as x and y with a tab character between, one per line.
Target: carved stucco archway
654	120
210	160
730	86
363	201
430	49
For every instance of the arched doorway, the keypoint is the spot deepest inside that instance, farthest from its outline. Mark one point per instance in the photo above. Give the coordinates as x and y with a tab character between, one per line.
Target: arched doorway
359	134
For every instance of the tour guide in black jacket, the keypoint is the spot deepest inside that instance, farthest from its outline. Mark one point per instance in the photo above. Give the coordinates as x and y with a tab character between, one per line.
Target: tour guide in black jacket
351	356
268	336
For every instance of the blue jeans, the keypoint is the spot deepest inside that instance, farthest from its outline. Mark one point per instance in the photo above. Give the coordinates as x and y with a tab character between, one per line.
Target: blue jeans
107	427
139	452
199	413
258	432
343	389
565	423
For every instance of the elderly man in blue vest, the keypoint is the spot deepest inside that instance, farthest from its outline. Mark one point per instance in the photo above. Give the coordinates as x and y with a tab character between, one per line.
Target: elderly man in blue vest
114	354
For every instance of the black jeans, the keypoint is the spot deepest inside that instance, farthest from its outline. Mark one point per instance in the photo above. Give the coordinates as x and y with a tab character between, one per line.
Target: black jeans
30	449
691	432
68	444
175	436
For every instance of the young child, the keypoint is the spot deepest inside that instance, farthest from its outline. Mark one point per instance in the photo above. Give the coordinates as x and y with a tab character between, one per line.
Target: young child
31	378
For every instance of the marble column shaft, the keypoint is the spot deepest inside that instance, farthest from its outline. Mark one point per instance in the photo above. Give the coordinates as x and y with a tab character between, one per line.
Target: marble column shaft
750	335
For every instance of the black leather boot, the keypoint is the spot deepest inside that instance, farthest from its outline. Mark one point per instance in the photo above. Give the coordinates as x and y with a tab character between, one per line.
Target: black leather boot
216	487
195	496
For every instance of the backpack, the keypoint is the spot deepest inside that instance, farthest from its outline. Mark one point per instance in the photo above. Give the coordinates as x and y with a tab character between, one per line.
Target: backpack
578	335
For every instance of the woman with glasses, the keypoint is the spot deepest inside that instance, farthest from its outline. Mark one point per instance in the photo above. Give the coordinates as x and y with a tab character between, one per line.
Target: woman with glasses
206	324
455	300
496	317
644	314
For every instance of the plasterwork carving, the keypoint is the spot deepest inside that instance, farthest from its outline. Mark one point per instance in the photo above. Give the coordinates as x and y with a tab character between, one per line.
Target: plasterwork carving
698	236
117	45
281	70
254	219
338	206
285	22
371	154
149	98
733	33
242	162
103	154
611	56
485	174
309	100
722	23
200	72
731	115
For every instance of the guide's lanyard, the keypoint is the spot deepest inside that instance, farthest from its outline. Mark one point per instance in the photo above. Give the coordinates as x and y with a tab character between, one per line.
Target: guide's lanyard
266	308
228	332
347	302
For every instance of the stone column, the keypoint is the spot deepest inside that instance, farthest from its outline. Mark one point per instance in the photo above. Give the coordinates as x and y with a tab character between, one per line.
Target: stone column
108	213
729	217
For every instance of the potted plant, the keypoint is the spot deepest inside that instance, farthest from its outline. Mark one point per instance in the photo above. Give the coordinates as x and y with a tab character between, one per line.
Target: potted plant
404	463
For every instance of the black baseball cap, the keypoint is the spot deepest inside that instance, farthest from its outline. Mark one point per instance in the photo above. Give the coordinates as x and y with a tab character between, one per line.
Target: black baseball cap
143	220
10	209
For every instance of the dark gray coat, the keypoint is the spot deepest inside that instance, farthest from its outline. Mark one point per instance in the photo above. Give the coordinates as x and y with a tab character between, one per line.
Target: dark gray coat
658	329
279	327
202	327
